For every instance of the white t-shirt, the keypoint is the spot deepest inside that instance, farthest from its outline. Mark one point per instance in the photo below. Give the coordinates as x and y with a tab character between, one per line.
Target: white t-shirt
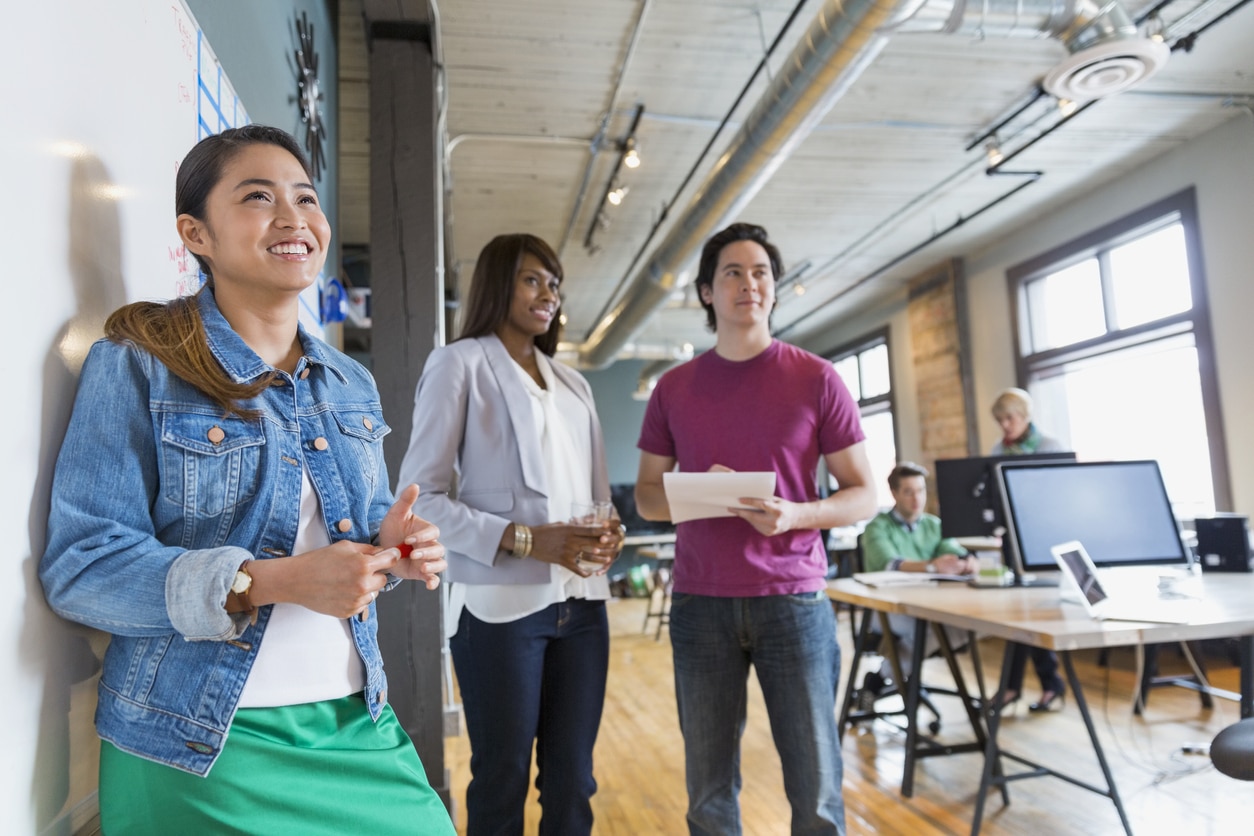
566	449
305	656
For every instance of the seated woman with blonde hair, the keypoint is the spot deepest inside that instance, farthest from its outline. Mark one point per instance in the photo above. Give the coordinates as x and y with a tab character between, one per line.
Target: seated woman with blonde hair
1013	412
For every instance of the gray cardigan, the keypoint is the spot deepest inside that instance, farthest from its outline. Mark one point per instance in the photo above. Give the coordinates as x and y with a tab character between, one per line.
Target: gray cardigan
475	455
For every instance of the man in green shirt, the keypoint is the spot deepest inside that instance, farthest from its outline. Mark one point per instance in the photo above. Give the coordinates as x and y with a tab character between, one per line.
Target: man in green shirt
907	539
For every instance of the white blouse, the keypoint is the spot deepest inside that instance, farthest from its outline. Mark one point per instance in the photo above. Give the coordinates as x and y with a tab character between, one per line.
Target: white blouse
566	446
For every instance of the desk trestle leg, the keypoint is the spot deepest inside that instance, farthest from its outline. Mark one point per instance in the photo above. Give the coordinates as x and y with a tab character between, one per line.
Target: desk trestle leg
993	775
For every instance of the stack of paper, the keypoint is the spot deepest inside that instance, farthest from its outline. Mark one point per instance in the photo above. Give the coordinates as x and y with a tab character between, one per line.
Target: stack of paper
697	496
895	577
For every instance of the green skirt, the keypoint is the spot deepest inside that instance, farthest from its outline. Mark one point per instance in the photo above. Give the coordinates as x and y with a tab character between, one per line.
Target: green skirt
318	768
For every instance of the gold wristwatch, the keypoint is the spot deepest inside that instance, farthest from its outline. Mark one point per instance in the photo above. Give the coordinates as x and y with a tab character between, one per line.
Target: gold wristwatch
242	585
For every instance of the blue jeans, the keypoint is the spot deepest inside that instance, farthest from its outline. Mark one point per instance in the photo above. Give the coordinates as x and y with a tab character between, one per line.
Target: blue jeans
791	641
539	679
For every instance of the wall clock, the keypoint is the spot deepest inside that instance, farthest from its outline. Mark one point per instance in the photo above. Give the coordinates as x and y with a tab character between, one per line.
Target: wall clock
309	94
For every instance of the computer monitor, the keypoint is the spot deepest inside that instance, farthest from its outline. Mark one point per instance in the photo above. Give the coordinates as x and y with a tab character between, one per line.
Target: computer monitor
1119	511
968	494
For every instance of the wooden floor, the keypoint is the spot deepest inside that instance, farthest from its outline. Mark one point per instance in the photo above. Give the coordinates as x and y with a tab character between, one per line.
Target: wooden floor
639	757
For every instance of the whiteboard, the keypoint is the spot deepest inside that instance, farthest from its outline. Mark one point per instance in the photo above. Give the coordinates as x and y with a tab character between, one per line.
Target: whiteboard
100	103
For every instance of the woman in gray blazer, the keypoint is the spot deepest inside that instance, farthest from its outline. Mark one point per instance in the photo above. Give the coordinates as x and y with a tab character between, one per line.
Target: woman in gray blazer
505	443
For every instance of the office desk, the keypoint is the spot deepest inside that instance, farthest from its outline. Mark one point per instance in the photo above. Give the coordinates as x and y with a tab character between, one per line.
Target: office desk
917	745
1035	616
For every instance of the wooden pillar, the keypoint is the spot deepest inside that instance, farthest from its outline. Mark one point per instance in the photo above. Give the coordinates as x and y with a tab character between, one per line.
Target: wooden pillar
407	313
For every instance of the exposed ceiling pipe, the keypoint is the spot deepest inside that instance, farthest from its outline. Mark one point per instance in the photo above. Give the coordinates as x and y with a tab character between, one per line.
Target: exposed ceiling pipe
1107	54
698	163
1185	42
841	42
663	351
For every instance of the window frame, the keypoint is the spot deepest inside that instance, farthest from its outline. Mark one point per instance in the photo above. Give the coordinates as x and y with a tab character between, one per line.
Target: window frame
857	346
879	403
1180	207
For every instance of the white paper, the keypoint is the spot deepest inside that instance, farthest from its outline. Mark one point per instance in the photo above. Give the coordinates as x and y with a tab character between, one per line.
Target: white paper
896	577
697	496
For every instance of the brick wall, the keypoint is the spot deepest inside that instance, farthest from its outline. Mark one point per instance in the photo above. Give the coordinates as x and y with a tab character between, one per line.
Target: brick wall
941	367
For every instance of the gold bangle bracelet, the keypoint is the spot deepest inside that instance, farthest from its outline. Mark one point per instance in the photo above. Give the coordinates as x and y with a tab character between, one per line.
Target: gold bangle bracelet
522	540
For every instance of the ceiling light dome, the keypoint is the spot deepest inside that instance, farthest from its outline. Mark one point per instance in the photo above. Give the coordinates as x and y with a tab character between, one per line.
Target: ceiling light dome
1106	68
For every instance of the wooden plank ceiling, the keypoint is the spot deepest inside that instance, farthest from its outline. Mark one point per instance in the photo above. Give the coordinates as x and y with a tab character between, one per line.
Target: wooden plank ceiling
540	94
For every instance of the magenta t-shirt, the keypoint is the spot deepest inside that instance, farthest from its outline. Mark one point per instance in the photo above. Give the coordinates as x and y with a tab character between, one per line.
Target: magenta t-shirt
780	411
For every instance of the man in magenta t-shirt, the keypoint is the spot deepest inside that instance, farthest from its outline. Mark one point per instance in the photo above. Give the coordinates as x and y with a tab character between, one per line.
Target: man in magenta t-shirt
748	589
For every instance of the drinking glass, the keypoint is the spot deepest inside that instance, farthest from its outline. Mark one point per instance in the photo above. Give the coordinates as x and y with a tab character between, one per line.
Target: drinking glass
594	515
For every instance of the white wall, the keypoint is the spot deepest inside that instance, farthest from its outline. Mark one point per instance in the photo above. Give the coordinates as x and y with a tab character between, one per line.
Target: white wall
621	416
1220	165
101	102
98	114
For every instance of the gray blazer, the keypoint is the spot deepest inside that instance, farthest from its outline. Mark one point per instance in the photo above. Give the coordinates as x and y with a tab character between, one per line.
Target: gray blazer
470	414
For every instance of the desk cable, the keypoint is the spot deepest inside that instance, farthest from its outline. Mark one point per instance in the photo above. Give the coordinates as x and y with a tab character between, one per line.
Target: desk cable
1180	762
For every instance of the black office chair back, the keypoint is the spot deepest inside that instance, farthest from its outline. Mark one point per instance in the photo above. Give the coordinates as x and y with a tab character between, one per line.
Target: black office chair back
1232	750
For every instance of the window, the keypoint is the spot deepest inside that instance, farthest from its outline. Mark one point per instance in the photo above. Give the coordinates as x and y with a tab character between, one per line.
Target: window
864	368
1114	345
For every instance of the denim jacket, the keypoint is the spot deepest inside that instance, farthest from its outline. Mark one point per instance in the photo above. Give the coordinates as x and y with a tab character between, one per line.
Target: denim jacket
158	498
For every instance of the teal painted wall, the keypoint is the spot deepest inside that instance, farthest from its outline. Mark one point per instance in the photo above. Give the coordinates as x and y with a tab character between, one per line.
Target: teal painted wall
621	417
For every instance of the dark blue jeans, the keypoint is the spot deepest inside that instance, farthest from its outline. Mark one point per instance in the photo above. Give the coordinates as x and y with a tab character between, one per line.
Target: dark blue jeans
790	640
539	679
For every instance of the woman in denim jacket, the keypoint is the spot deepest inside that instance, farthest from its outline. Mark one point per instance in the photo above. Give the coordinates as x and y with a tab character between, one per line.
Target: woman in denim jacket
221	507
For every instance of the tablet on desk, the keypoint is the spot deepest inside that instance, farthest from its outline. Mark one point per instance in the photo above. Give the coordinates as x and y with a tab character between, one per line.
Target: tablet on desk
1078	568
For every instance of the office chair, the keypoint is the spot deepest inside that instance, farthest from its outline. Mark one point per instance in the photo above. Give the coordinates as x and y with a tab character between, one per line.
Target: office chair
1232	750
867	639
1150	677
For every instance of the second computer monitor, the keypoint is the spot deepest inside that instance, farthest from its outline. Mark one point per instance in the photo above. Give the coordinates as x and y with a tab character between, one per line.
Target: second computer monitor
969	497
1119	511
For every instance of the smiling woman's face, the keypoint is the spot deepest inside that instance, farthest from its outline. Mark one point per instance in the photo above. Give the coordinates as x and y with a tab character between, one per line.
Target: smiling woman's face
536	300
263	227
